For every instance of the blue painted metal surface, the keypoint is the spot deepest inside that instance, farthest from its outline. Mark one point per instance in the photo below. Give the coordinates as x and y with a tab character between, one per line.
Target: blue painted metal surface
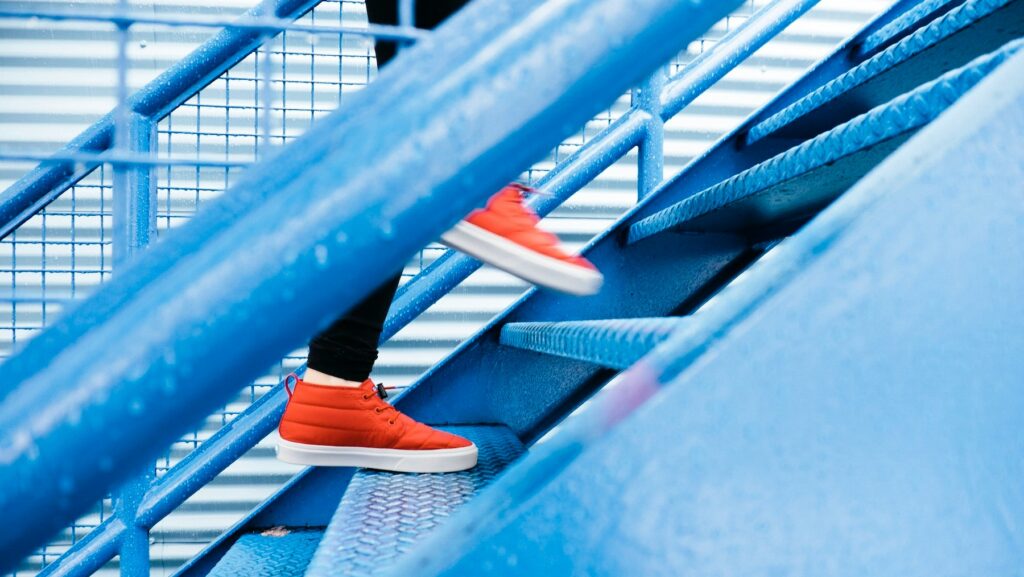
134	193
614	343
799	181
651	161
273	553
210	295
260	418
263	24
383	515
302	513
975	28
565	179
690	73
710	66
779	462
908	21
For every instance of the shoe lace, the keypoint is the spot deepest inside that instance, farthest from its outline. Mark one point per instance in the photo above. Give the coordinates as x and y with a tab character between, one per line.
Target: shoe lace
381	392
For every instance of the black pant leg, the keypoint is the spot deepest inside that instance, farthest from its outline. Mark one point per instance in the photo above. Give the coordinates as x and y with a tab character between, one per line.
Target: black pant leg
348	348
428	14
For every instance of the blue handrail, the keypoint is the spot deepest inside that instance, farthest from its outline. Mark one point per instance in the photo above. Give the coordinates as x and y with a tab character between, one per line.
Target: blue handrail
603	150
348	188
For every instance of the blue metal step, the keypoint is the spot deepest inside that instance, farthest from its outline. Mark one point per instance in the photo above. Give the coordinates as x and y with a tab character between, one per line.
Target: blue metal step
615	343
906	23
383	515
975	28
802	180
272	553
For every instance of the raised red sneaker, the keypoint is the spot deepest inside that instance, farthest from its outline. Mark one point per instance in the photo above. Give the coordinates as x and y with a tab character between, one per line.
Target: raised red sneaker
355	427
505	235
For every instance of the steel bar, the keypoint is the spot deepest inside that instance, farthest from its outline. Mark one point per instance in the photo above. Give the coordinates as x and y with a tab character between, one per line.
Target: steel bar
710	66
114	159
263	25
134	218
651	164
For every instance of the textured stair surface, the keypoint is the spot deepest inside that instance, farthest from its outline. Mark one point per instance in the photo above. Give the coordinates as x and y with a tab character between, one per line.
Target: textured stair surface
803	179
382	515
964	33
615	343
273	553
919	14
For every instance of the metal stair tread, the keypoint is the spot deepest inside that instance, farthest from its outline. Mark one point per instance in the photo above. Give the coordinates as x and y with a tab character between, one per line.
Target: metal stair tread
382	515
274	553
939	46
806	177
913	17
614	343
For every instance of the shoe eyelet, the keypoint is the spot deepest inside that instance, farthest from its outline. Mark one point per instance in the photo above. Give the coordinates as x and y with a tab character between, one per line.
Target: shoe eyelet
366	397
378	410
390	422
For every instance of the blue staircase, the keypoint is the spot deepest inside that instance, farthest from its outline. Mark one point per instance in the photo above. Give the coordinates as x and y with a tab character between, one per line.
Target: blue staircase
805	358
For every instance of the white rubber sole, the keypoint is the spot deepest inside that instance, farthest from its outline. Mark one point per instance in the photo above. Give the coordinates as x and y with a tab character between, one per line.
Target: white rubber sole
399	460
522	262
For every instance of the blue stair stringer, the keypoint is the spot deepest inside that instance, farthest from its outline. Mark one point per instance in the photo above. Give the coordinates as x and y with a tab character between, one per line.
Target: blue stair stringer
276	552
614	343
976	27
774	447
803	179
383	515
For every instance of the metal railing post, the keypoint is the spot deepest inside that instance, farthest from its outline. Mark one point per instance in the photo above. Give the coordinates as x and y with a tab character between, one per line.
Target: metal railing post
134	225
135	540
651	167
134	209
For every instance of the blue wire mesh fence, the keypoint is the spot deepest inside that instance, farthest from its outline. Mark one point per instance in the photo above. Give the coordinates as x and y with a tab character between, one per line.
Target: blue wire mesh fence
267	99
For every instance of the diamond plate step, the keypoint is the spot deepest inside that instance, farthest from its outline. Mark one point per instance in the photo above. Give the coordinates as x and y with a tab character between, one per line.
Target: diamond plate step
383	515
802	180
954	39
273	553
615	343
923	13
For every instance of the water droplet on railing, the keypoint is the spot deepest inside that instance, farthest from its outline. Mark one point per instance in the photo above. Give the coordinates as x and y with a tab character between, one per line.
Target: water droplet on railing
320	251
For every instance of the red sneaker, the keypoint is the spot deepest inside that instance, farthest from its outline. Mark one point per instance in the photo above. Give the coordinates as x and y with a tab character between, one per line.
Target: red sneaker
354	427
505	235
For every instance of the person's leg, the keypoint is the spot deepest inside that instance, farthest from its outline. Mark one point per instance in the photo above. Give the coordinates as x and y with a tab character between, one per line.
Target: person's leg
344	353
336	416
